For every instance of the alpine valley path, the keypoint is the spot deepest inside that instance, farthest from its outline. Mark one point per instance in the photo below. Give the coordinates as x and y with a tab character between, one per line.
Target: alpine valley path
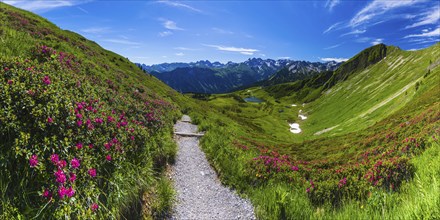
200	195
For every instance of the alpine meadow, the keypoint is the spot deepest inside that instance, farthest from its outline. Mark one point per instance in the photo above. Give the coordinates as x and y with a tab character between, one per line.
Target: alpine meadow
278	128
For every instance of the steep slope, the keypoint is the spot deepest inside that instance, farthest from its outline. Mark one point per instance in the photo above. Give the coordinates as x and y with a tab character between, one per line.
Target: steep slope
359	62
310	88
372	93
83	131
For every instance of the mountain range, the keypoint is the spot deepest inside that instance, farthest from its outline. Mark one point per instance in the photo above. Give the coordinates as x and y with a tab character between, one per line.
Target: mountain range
216	77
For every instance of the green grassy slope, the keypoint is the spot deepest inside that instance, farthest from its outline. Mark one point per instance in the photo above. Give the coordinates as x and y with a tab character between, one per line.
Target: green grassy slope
359	100
366	169
374	93
21	31
84	132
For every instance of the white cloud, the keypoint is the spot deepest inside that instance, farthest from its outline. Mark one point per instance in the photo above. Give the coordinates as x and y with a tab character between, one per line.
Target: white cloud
333	46
377	41
425	30
425	41
409	16
171	25
221	31
247	53
363	39
421	40
41	6
330	4
283	58
378	7
124	37
96	30
180	5
179	54
434	33
83	10
332	27
430	17
165	33
185	48
354	32
119	41
241	50
328	59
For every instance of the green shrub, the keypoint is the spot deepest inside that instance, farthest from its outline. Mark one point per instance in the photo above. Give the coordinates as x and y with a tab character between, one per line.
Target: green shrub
72	144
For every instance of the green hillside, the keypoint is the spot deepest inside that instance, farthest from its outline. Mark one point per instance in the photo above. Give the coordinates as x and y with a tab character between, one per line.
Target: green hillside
374	93
362	150
360	99
84	132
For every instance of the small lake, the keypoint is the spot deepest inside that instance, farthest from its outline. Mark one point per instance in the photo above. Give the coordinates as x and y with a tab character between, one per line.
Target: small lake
253	99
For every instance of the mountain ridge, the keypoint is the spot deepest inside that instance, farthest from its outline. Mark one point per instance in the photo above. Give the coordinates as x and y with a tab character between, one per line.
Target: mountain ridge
206	77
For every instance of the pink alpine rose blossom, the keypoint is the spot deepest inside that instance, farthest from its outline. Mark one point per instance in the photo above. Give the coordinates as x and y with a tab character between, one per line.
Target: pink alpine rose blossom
92	172
79	146
33	161
61	177
62	191
46	80
94	207
74	163
54	158
72	177
70	192
47	194
62	163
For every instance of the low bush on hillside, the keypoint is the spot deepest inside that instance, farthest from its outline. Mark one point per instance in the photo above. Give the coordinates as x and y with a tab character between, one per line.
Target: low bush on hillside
73	145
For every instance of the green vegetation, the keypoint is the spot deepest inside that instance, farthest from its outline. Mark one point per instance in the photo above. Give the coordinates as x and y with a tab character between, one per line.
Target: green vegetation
359	62
367	166
84	132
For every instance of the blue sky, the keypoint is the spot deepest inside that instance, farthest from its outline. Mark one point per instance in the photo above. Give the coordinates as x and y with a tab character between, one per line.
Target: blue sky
153	32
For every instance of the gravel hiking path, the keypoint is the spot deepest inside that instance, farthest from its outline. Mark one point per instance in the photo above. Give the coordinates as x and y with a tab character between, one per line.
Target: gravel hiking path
200	195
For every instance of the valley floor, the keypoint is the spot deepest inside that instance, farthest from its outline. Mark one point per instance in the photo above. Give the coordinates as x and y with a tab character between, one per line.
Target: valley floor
200	195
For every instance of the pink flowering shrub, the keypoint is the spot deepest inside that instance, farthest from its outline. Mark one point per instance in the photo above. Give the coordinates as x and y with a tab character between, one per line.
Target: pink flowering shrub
65	140
386	166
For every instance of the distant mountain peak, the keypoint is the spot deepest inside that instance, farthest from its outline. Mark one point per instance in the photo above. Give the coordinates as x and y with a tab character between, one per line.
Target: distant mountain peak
204	76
